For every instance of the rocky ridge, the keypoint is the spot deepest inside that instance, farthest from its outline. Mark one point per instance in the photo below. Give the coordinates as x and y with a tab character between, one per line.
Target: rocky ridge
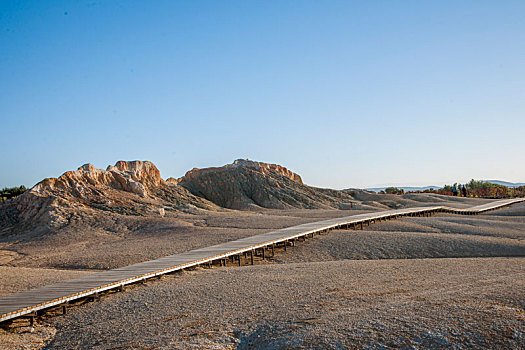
136	188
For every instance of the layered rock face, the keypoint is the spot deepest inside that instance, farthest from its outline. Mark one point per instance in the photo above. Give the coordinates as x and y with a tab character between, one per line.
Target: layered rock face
248	184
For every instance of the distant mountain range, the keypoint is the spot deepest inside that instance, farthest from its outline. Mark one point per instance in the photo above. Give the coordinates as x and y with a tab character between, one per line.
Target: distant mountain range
408	188
505	183
377	189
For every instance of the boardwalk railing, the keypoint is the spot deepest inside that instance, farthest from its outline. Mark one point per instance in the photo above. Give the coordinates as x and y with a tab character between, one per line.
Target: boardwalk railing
28	303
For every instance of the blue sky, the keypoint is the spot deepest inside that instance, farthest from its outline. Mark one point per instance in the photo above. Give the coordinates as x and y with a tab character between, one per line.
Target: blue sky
345	93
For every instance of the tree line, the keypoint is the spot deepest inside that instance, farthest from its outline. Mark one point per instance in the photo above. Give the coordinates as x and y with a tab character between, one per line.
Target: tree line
478	188
11	192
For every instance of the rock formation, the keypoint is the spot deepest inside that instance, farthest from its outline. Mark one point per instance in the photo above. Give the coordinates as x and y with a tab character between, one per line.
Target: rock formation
136	188
136	177
248	184
129	188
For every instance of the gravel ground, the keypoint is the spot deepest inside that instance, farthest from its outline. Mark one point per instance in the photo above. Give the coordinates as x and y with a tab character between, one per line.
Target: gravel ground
418	303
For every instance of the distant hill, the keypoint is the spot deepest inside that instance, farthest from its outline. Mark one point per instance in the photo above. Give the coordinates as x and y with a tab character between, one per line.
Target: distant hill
506	183
406	189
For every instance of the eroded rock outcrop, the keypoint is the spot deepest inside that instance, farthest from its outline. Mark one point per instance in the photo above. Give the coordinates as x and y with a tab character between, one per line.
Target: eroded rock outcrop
128	187
248	184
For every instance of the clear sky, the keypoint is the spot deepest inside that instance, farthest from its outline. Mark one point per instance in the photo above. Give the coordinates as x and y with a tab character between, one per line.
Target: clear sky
345	93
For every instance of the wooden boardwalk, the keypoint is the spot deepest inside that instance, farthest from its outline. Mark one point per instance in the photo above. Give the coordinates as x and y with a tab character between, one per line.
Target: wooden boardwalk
28	303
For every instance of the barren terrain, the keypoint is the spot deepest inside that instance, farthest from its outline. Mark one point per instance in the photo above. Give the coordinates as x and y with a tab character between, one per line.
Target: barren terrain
109	241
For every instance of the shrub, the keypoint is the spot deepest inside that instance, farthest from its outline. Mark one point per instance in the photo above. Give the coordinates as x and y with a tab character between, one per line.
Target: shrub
394	190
